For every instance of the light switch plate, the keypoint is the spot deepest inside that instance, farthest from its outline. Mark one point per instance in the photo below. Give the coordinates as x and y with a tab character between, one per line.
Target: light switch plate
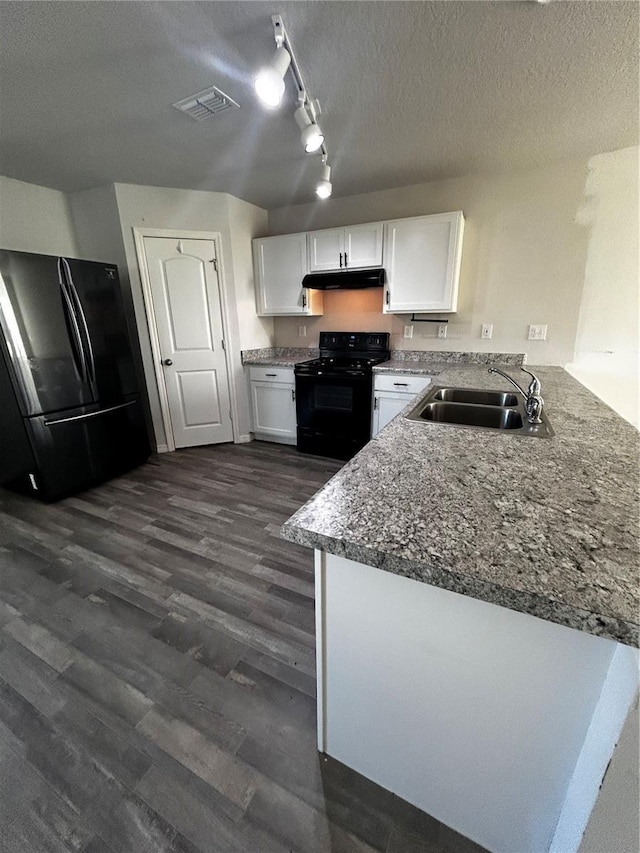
538	333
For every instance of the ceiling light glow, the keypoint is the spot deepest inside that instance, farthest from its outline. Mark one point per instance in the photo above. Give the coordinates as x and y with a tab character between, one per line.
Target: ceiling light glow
269	83
324	187
310	134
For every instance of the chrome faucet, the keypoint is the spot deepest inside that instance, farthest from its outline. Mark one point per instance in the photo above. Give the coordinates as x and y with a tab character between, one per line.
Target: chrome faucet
533	402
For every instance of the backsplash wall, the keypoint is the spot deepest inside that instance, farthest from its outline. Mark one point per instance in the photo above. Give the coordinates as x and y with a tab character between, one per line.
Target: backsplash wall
523	262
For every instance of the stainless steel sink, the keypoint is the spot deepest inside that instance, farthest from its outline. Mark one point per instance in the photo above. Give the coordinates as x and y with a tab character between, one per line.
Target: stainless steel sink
477	409
471	395
492	417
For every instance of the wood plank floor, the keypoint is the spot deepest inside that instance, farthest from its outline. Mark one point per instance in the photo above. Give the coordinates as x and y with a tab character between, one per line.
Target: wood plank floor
157	671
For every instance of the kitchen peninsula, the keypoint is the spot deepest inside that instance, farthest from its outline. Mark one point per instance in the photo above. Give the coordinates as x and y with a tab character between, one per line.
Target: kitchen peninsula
477	612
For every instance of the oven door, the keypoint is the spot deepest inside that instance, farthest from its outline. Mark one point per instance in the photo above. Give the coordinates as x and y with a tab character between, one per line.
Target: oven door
333	414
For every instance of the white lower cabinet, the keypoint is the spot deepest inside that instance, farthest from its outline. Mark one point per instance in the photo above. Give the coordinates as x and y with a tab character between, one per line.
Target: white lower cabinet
391	393
273	404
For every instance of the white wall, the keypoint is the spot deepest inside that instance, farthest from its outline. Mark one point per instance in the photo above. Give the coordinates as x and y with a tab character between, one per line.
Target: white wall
522	262
606	356
97	225
192	210
514	717
35	219
247	221
614	823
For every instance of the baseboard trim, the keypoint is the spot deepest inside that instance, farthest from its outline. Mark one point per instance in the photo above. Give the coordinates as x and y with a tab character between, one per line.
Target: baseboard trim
244	439
162	448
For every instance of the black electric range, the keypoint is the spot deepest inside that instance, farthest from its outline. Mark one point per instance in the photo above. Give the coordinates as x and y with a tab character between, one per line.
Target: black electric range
333	393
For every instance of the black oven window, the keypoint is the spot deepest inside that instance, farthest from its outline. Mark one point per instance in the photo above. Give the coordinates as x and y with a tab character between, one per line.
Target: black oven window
335	398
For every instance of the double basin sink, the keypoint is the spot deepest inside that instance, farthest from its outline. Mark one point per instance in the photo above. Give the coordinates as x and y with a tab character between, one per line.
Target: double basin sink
471	407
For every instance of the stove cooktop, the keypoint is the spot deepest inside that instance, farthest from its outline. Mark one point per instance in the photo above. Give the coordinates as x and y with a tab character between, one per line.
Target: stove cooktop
342	363
348	351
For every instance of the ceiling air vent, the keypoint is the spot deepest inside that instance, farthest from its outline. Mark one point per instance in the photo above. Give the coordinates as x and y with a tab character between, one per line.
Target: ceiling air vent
206	104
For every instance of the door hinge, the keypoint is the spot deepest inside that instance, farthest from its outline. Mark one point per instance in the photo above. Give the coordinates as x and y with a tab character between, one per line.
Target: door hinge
223	346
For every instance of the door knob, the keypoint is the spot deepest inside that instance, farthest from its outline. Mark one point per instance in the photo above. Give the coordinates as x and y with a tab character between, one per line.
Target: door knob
168	362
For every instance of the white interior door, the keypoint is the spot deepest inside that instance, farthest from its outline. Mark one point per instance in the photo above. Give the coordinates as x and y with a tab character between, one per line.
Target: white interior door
186	302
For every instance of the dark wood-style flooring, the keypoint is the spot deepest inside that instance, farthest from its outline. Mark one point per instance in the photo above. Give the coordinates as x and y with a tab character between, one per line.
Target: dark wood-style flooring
157	671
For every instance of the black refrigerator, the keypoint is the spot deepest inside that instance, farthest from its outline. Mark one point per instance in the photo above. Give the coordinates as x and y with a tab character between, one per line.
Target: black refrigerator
71	414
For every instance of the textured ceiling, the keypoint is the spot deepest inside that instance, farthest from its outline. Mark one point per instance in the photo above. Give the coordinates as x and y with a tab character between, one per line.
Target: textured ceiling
411	91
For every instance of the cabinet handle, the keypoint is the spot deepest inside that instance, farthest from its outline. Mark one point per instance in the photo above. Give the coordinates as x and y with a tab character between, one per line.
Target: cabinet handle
406	384
293	395
386	298
375	402
271	374
340	260
345	259
304	300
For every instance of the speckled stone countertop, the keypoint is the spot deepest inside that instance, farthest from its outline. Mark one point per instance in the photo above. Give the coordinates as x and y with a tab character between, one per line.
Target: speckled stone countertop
278	356
547	527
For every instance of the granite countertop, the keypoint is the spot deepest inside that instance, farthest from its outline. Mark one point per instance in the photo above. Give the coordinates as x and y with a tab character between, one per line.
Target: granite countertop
278	356
542	526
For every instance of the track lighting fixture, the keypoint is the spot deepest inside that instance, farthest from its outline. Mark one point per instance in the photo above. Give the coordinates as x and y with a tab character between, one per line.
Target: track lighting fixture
269	83
310	134
324	187
270	86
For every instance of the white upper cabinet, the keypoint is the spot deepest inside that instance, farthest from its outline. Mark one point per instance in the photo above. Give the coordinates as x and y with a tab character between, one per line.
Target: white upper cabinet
280	264
421	257
354	247
422	263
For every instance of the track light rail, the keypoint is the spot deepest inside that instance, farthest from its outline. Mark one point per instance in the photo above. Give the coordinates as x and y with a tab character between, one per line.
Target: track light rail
269	85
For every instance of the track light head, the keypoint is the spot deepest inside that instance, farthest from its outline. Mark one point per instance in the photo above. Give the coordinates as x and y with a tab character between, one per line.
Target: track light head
269	83
323	187
312	138
310	134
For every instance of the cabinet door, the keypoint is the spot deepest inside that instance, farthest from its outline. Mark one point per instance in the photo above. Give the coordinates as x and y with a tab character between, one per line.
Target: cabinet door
326	250
274	410
422	261
386	405
363	246
280	264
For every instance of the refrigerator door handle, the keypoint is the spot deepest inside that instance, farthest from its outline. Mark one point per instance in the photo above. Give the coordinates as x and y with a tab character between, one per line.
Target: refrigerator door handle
91	365
77	348
90	414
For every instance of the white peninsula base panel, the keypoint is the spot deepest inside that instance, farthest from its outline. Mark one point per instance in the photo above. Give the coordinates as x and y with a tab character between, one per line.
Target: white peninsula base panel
497	723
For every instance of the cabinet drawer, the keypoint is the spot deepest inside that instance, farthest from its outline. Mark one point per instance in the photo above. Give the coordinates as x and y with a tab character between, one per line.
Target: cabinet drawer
271	374
400	382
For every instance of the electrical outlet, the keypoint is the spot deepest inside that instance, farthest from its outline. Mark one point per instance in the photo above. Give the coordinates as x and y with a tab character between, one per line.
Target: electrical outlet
408	331
302	331
538	333
442	330
487	331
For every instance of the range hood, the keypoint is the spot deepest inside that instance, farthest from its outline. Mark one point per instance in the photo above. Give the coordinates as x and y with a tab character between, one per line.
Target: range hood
347	280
